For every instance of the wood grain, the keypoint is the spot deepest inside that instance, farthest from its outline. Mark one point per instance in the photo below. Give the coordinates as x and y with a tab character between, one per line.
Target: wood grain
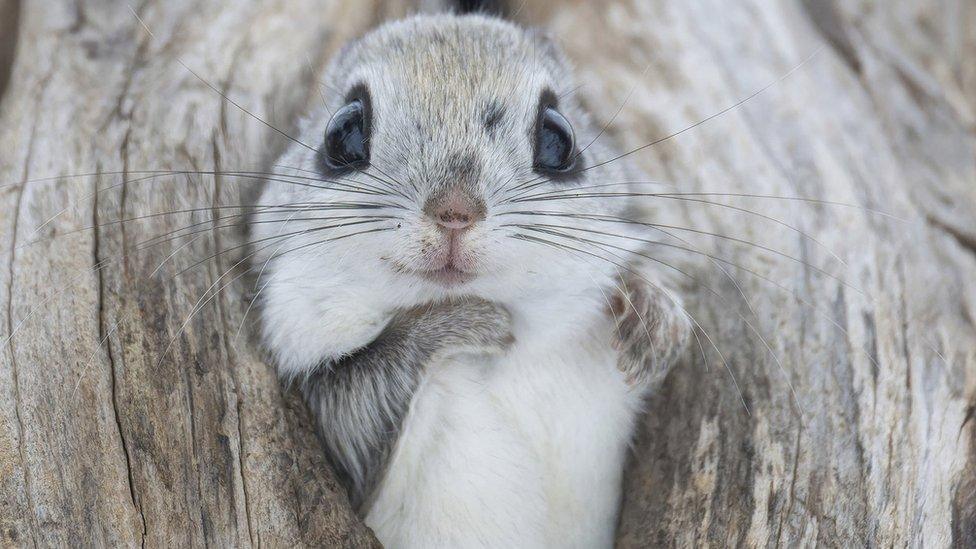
852	345
858	430
124	424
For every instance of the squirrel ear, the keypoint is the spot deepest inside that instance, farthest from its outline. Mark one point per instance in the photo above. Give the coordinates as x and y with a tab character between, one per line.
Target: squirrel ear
484	7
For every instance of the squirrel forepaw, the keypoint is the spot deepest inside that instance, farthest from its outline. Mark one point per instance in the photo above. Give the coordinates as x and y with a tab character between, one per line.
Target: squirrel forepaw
650	330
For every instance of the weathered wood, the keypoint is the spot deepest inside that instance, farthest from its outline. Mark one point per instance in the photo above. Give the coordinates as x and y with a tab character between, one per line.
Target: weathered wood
882	452
112	436
858	432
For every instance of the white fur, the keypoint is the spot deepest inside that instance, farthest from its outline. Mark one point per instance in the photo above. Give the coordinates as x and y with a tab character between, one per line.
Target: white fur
524	449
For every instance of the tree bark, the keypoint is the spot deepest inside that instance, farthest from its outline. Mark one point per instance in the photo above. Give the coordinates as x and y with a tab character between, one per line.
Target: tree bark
132	413
863	436
122	424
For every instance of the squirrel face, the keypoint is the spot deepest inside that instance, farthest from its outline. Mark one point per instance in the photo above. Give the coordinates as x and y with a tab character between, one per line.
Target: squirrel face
452	144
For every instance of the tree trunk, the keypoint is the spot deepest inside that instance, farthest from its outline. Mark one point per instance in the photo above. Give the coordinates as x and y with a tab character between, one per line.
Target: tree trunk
131	412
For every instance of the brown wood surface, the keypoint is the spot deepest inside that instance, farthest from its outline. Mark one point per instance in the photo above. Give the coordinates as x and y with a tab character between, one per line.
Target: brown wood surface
853	348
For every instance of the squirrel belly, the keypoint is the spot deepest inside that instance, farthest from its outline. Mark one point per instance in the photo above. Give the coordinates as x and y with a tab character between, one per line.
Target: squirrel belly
524	449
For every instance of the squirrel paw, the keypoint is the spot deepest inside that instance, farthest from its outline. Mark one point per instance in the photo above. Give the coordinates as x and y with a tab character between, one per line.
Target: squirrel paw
651	329
469	324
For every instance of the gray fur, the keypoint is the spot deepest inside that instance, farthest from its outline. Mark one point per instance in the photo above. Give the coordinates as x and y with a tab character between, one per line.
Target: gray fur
361	400
651	330
493	116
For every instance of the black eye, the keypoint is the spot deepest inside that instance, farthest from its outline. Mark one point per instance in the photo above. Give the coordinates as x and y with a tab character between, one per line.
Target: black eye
555	145
346	145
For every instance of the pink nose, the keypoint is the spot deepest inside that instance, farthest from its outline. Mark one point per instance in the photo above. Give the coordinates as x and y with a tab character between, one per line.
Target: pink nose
455	211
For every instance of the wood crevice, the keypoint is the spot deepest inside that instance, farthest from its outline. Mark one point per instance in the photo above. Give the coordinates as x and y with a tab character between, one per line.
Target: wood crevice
104	335
9	27
966	241
11	327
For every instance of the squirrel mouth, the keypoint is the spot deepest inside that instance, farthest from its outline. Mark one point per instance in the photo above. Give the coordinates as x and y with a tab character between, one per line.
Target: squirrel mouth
448	275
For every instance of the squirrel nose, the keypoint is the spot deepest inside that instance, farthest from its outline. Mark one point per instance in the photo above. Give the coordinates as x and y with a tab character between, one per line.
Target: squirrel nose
453	219
455	210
